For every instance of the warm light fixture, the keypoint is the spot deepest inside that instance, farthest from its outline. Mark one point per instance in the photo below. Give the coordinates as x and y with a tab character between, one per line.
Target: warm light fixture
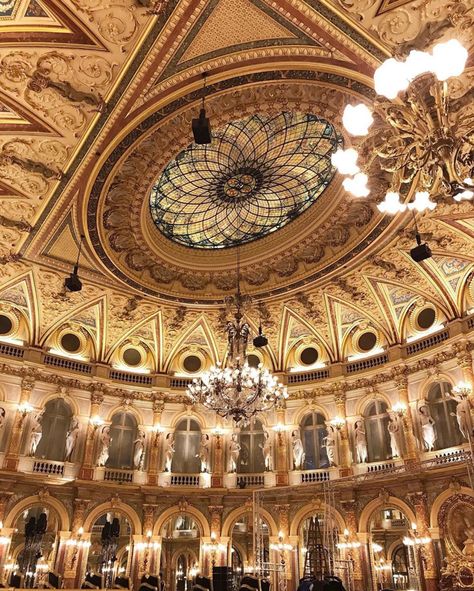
416	130
399	408
25	408
338	423
236	390
96	421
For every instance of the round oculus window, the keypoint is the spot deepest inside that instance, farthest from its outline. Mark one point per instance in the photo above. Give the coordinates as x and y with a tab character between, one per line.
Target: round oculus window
253	360
367	341
192	363
6	324
70	342
426	318
309	355
132	357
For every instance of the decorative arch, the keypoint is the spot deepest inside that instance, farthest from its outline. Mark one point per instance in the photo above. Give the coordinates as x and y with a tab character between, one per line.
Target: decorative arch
202	323
238	512
42	499
130	409
116	507
442	498
307	511
199	417
67	399
199	517
368	398
430	380
377	503
306	410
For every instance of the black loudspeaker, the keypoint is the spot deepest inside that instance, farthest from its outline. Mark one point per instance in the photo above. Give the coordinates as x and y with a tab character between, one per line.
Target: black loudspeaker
420	253
202	128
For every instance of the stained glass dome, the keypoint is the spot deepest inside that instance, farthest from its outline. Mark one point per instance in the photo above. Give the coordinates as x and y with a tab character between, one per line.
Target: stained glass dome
256	176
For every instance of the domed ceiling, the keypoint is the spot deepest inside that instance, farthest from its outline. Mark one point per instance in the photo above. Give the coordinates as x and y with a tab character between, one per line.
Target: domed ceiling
96	104
257	175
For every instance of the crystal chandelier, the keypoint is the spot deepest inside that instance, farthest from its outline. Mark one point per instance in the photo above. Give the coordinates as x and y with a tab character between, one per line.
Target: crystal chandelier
237	390
420	130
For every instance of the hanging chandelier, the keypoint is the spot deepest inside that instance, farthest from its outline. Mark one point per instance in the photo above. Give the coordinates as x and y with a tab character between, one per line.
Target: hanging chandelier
236	390
420	130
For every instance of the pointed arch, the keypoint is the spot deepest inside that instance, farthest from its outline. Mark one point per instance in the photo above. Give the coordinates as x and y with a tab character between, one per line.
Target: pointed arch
156	320
200	323
29	289
287	316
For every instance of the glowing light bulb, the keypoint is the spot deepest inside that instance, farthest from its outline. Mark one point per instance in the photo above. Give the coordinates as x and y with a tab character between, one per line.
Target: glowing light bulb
391	204
449	59
422	202
418	63
357	185
466	195
345	161
358	119
390	78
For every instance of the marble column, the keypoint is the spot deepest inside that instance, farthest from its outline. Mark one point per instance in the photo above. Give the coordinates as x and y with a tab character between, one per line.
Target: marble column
399	375
428	560
154	464
13	448
87	468
344	447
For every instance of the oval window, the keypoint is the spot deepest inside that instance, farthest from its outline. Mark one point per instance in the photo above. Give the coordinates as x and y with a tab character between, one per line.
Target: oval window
192	363
6	325
366	341
426	318
132	357
309	355
70	342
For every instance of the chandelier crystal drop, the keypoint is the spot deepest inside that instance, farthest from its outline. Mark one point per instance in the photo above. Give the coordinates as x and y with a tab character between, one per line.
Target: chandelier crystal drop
236	390
419	130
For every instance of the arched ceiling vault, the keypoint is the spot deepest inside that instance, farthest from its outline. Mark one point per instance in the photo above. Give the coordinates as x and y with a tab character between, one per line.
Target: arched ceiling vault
96	98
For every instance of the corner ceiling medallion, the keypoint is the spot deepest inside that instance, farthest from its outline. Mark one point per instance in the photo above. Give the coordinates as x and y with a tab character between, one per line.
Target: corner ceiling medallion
258	174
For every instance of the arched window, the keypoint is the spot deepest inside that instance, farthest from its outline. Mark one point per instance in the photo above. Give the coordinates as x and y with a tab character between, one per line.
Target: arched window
313	431
55	424
187	437
376	427
123	432
441	406
251	439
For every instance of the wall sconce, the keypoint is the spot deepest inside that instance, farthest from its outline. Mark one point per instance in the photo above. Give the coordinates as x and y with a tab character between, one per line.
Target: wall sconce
376	547
462	389
338	423
413	539
399	409
96	422
24	408
5	540
279	430
281	546
77	543
347	544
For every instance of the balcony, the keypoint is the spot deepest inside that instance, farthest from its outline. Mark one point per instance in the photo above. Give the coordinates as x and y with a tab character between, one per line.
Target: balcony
48	468
385	467
202	480
120	475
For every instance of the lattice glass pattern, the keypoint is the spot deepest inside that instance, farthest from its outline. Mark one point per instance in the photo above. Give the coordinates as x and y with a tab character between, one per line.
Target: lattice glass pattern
257	175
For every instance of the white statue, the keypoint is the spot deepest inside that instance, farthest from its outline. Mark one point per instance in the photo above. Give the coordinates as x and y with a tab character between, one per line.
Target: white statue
234	452
360	442
463	415
329	442
36	433
298	450
71	437
266	448
427	423
139	450
169	451
2	417
105	441
394	431
203	454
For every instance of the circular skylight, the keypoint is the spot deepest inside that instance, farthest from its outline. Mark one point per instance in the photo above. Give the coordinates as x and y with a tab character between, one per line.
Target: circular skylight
257	175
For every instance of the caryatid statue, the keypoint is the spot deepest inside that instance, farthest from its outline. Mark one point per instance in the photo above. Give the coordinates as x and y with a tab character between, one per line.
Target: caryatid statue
169	451
139	450
234	452
463	415
428	427
105	441
71	437
329	442
266	448
203	454
36	433
298	450
394	432
360	441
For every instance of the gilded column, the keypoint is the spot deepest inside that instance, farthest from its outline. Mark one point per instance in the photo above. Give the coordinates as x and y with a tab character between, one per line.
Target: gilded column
354	554
428	560
400	378
281	447
154	463
87	468
345	457
13	449
217	479
72	555
464	359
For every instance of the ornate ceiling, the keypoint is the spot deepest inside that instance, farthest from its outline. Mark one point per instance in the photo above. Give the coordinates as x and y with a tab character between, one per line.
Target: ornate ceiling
97	98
